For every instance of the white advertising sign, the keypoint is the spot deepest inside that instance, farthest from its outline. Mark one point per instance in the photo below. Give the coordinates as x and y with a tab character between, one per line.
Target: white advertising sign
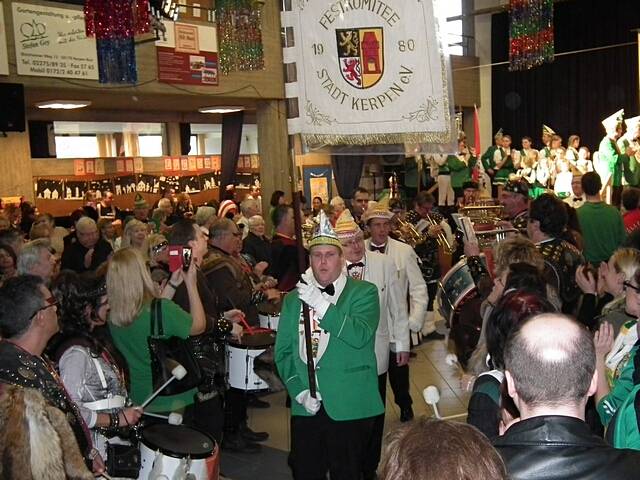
368	72
4	58
51	42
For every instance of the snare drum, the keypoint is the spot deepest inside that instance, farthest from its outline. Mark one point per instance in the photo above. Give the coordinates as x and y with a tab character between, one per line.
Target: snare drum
270	321
269	315
240	358
177	451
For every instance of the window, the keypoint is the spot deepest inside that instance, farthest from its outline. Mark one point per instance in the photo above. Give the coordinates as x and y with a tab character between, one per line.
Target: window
453	34
75	146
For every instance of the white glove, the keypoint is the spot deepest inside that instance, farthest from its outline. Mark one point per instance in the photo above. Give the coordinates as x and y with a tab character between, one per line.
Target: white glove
310	404
312	296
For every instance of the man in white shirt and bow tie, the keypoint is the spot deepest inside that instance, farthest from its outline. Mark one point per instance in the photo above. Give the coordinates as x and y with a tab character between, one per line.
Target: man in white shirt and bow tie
412	284
392	334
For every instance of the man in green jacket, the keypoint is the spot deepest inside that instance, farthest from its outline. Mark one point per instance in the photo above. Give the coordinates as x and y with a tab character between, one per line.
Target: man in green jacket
460	166
629	144
601	224
487	160
330	431
611	157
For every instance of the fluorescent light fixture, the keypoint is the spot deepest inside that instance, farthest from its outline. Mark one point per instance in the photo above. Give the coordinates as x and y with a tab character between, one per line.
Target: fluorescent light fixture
64	104
220	109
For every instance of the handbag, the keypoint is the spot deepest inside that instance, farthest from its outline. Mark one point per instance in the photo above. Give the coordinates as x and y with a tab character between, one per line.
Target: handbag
166	352
123	460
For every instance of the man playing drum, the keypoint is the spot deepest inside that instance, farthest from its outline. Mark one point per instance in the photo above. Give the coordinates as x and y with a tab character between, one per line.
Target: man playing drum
393	330
330	431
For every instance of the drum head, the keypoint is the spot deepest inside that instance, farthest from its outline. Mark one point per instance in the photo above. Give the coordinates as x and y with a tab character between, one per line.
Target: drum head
257	340
178	441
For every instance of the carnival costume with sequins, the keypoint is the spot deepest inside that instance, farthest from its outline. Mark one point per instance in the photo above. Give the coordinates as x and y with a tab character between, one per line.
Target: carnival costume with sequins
19	367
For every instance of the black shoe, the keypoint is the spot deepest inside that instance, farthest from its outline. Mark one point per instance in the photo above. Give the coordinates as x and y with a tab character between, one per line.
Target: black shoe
433	336
235	442
406	414
252	436
255	402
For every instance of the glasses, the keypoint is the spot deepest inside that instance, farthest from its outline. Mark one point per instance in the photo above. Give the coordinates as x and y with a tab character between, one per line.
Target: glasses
235	234
51	302
156	249
632	287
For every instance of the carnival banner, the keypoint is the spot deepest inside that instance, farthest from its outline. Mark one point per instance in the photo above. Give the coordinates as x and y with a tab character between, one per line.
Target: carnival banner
367	72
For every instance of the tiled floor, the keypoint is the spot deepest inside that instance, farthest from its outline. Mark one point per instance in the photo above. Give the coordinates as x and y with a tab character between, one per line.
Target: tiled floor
427	368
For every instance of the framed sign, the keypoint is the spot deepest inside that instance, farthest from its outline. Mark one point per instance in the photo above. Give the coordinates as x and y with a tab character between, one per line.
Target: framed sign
51	42
4	56
317	183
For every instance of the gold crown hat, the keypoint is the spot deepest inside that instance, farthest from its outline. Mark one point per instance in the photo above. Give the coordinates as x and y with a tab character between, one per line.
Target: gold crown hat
614	120
499	133
379	209
346	226
324	234
547	130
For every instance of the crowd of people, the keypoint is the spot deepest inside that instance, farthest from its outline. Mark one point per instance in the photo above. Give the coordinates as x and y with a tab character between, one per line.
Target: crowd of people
551	367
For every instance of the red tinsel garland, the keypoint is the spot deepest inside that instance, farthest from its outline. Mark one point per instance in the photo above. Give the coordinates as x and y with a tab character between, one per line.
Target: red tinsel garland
109	19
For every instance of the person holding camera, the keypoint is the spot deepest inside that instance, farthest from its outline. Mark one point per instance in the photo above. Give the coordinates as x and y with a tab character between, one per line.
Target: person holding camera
131	293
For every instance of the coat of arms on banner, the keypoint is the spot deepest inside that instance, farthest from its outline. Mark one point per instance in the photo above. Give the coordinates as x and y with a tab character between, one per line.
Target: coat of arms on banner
368	72
361	55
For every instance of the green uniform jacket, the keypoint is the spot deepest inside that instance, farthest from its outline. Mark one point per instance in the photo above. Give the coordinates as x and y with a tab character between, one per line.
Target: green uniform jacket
611	156
460	171
608	406
487	158
630	165
502	175
346	373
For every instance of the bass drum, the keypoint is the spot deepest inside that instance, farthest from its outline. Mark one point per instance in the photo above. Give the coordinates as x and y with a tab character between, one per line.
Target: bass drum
459	305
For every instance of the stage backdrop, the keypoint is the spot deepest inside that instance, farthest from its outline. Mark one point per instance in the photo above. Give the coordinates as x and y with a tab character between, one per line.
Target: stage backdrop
575	92
368	72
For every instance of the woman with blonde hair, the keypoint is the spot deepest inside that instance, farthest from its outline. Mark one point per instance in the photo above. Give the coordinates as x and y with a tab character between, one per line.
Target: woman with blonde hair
131	292
134	235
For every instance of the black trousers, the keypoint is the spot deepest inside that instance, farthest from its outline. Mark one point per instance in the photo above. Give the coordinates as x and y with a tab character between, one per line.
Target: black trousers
399	380
207	416
374	448
320	445
235	409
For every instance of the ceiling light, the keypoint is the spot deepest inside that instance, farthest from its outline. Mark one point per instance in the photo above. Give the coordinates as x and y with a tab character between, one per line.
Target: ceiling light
64	104
220	109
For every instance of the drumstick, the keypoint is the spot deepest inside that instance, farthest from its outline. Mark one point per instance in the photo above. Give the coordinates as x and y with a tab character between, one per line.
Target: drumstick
248	327
178	373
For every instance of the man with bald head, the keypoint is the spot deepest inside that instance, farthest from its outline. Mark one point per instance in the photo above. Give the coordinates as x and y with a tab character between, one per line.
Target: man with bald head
87	250
550	370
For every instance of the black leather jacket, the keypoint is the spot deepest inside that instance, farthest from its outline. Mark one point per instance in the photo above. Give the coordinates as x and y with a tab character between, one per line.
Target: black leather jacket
563	448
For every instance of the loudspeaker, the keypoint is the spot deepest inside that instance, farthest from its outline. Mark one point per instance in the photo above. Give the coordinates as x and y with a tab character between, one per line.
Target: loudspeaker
12	111
42	139
185	139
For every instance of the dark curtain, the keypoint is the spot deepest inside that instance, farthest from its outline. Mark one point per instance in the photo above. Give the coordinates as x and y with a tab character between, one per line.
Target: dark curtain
347	170
575	92
231	138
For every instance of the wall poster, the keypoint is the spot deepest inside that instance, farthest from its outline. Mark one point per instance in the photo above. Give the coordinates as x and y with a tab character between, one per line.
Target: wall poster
51	42
188	55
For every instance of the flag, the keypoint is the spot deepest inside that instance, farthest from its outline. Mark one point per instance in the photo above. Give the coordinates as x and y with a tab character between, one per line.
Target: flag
476	142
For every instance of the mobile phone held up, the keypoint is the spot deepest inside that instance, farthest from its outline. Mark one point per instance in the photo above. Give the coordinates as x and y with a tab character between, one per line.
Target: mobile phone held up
179	257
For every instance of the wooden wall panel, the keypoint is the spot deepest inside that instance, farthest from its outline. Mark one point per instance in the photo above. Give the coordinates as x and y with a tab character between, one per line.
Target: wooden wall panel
466	81
15	165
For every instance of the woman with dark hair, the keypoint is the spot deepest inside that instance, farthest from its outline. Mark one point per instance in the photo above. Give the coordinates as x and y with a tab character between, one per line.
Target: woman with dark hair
8	263
90	367
525	295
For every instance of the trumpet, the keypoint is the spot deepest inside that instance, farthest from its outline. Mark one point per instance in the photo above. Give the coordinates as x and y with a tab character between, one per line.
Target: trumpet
442	239
408	233
411	236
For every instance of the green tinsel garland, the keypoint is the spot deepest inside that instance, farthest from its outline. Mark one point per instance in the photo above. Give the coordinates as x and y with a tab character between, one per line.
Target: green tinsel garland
239	35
